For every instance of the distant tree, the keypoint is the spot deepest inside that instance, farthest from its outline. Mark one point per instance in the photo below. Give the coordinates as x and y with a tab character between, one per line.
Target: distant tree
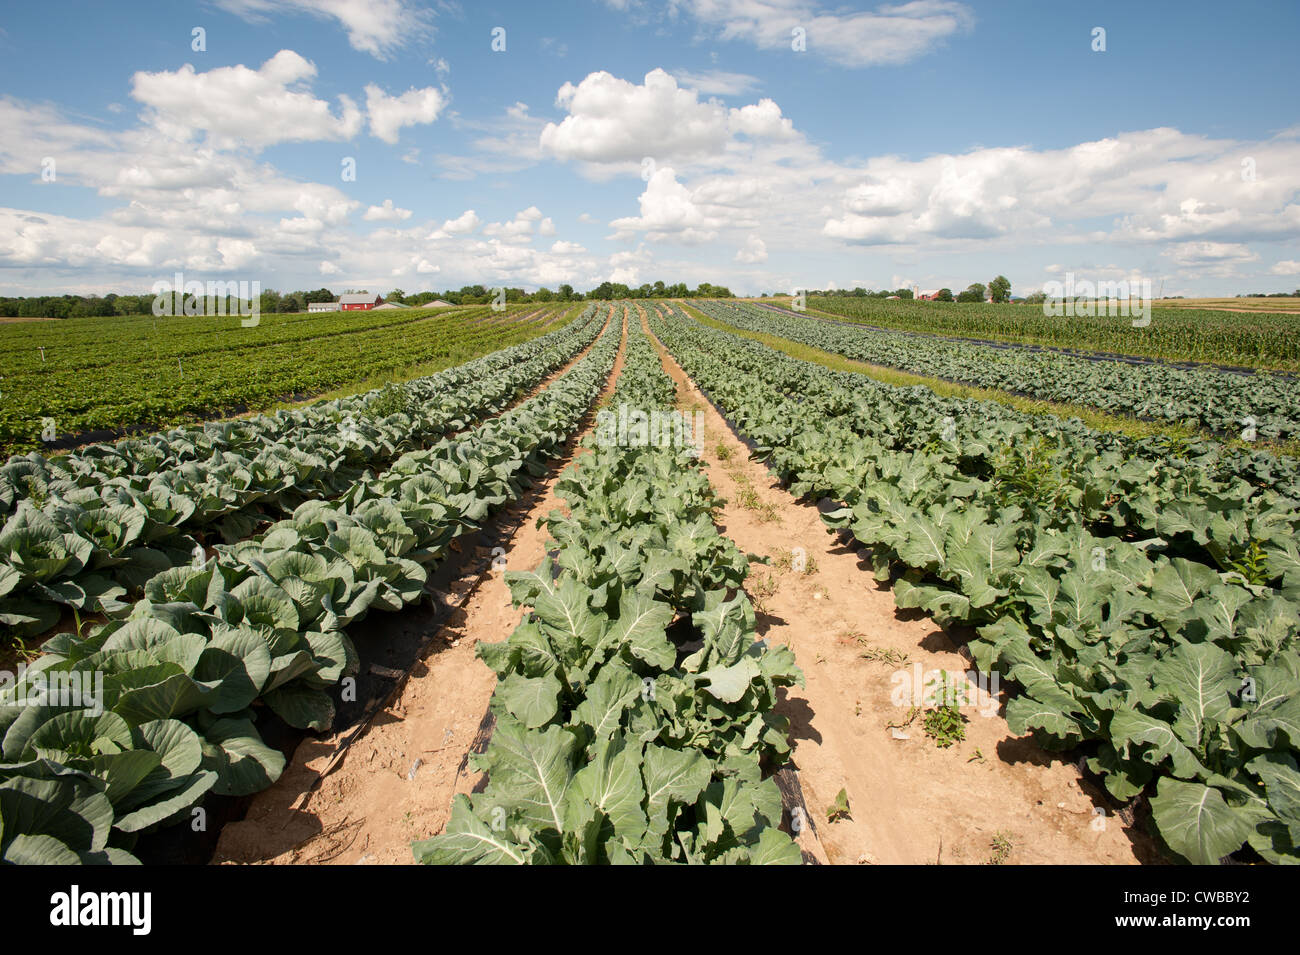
543	294
1000	289
566	293
944	295
1035	298
397	296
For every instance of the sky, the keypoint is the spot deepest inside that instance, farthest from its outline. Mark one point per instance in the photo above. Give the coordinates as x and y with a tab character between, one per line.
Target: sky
766	145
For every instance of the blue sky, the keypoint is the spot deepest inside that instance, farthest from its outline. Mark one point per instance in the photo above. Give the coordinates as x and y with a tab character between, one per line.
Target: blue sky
933	143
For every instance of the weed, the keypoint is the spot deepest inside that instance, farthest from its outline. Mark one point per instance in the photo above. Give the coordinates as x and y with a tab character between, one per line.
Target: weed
1001	847
840	808
945	725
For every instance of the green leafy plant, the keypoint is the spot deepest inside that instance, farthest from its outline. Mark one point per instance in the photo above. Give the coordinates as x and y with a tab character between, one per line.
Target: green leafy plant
839	809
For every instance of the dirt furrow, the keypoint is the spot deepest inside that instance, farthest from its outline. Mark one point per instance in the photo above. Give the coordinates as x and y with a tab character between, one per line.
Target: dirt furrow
991	797
396	782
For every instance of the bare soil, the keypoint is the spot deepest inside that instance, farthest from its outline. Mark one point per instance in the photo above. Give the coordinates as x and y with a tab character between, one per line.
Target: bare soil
396	782
993	797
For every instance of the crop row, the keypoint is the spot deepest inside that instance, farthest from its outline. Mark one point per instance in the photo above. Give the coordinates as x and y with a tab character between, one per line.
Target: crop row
634	708
1145	595
1255	406
149	384
87	530
1195	334
180	683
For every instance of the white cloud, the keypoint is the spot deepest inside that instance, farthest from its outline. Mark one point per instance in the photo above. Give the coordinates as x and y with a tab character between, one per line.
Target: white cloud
890	34
463	224
668	211
1155	185
566	248
753	252
717	82
388	114
1285	267
522	227
378	27
1210	258
237	106
386	213
612	120
329	268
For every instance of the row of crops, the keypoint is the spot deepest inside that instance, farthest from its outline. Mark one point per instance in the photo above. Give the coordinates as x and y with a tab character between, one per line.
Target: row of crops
1144	595
1270	340
85	531
634	711
256	630
1259	406
63	381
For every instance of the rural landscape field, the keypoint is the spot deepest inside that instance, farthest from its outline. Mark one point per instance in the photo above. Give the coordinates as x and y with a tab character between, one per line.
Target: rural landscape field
408	459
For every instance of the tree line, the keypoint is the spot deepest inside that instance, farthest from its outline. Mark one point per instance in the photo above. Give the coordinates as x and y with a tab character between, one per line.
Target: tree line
80	306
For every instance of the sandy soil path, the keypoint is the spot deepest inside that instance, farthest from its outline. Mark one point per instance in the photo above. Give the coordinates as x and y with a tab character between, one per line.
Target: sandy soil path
992	797
396	782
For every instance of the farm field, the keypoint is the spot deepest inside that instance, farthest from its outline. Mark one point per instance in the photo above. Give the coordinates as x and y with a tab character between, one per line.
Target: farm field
1259	405
76	380
641	590
1264	333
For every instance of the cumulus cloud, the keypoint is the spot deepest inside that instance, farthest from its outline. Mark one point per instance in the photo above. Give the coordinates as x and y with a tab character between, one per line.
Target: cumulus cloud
1157	185
1285	267
237	106
668	211
612	120
388	114
386	213
463	224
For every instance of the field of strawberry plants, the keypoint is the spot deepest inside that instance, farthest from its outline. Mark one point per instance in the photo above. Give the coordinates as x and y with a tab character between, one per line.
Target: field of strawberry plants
1260	406
1256	339
76	377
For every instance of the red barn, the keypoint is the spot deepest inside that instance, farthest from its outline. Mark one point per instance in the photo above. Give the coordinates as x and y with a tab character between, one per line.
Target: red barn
360	301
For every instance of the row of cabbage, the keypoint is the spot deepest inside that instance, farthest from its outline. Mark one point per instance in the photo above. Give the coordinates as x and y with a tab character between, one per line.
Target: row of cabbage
1145	595
1259	406
634	708
128	727
85	531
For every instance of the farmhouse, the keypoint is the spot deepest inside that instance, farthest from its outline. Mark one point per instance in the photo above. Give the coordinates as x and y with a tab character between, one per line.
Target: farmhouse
927	295
360	301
